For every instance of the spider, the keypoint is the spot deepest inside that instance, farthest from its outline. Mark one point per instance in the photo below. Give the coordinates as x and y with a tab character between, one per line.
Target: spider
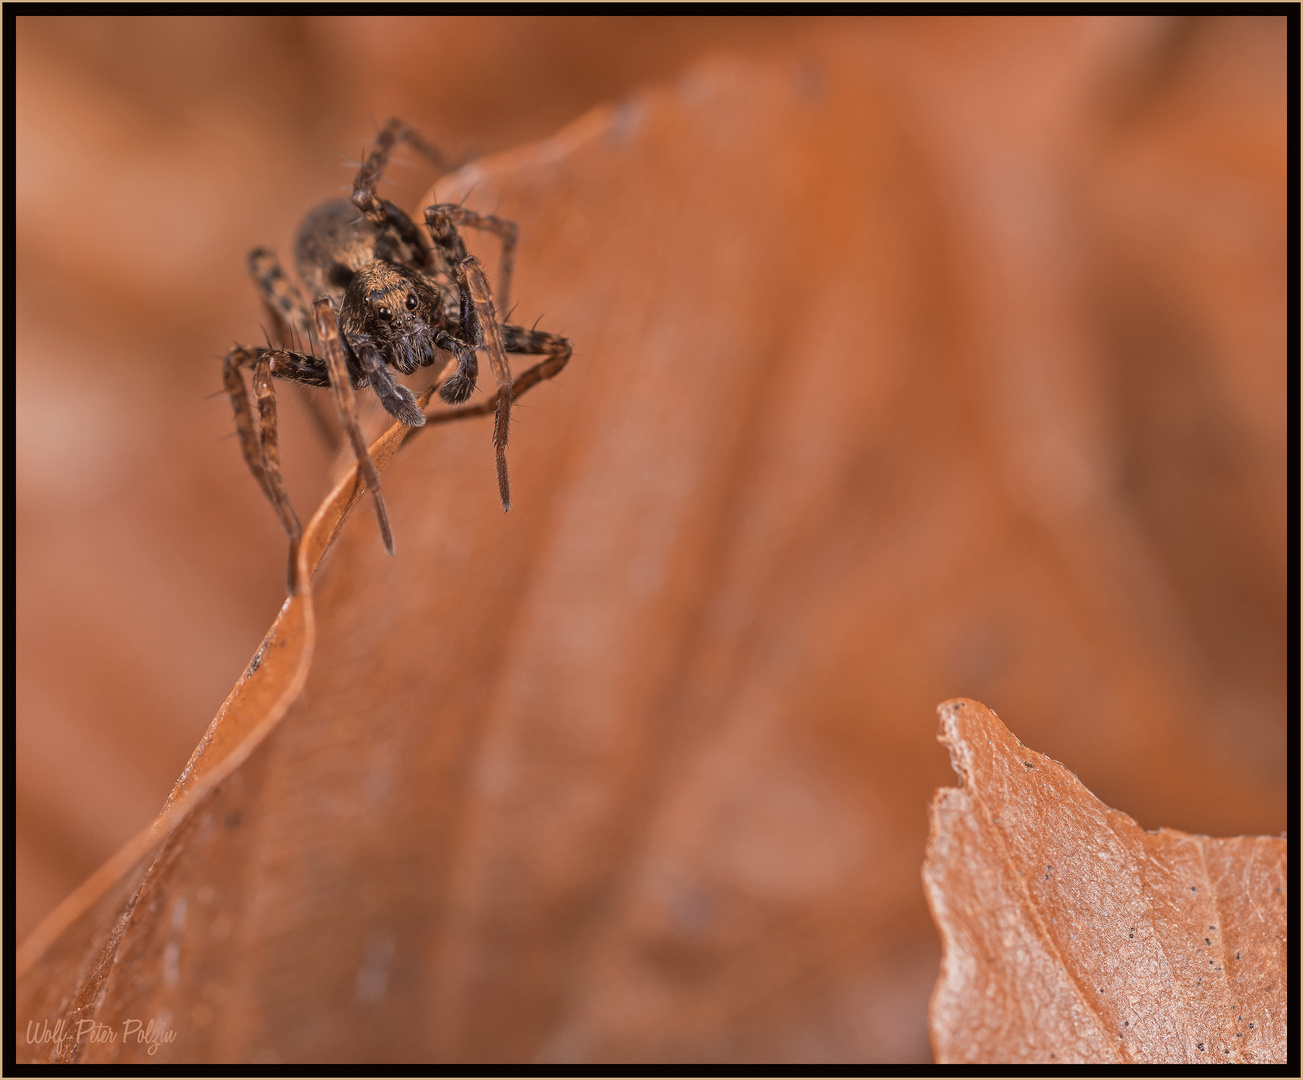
387	301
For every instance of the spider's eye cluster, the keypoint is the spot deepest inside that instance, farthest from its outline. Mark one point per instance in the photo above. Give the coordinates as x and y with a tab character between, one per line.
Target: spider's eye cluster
411	301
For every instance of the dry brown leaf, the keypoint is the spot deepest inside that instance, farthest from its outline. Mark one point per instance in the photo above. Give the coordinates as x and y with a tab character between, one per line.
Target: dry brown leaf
1072	935
635	772
62	965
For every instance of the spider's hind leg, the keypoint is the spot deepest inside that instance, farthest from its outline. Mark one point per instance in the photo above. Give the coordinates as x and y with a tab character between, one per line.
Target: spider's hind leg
245	425
281	296
292	316
258	441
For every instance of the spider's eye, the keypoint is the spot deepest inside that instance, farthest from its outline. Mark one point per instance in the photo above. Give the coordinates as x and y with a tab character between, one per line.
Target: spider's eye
411	301
384	313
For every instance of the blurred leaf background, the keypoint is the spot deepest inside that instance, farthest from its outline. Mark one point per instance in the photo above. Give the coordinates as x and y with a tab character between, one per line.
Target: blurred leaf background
1092	392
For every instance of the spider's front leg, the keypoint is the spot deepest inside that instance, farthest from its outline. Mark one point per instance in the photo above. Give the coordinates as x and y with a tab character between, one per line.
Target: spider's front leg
461	383
346	406
479	324
471	278
442	221
381	212
517	339
479	317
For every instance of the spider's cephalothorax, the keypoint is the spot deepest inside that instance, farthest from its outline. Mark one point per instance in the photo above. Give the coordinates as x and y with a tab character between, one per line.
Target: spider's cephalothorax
392	317
387	301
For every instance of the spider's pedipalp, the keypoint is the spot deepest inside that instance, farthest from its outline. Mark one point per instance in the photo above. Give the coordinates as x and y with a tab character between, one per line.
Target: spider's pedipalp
399	402
458	386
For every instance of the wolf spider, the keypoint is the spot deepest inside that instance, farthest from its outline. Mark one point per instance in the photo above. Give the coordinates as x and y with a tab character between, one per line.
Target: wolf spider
386	301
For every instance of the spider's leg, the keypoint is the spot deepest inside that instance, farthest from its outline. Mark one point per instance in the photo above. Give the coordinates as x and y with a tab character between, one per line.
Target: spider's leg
346	406
270	456
380	211
442	226
245	425
471	279
258	438
391	134
479	321
443	232
269	447
299	367
280	294
516	339
422	146
284	300
506	231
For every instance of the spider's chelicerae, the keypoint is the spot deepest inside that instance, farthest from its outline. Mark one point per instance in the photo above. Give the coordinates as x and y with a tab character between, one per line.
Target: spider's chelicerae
386	301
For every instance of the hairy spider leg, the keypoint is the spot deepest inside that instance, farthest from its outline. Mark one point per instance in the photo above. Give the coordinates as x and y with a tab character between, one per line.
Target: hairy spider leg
258	439
284	300
452	251
390	135
515	339
479	326
398	401
380	211
479	321
506	231
471	278
346	407
281	295
245	425
268	445
458	386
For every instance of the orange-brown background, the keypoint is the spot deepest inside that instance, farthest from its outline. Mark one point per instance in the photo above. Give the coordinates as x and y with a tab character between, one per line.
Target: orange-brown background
1110	193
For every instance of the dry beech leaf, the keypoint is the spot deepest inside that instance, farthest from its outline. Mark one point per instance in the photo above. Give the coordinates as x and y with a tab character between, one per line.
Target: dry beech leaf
62	965
1072	935
512	816
635	771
